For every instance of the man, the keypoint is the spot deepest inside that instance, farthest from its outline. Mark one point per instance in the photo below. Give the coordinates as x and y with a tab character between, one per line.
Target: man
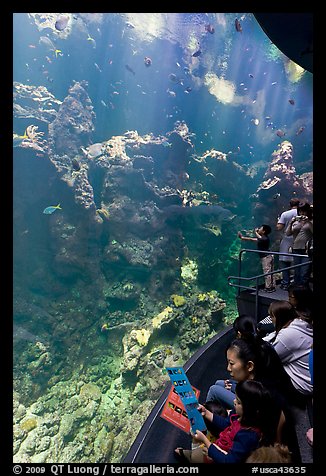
286	241
267	260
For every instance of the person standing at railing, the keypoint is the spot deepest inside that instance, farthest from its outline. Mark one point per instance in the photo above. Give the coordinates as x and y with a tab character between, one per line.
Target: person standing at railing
267	260
287	241
301	227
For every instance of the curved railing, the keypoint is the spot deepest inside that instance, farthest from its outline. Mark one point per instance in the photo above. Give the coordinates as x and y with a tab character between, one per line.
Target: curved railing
257	277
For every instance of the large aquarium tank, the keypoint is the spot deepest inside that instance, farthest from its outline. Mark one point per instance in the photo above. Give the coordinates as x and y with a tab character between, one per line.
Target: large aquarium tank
142	143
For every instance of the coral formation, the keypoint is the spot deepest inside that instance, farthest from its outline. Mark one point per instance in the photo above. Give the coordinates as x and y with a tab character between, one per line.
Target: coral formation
178	301
189	272
28	424
137	229
141	336
162	317
280	180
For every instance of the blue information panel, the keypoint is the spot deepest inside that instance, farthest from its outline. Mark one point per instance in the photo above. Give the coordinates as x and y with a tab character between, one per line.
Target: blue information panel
183	388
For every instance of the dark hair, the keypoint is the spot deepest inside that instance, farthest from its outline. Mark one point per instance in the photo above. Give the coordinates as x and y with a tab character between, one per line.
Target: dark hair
216	408
257	405
303	296
245	324
266	362
305	207
294	202
283	312
267	229
267	365
249	350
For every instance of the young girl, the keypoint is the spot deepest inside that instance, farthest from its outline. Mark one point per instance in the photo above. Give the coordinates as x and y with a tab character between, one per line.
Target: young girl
245	428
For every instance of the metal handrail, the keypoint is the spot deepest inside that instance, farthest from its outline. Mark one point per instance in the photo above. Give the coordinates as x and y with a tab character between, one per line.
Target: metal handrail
256	278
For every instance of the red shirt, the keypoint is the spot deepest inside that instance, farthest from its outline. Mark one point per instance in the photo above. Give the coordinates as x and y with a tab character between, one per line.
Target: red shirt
226	437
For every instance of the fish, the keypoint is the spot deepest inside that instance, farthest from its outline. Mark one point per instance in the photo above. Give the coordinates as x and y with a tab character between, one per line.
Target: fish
75	164
280	133
61	23
209	28
17	139
196	53
165	143
51	209
45	41
94	150
20	333
130	69
291	101
147	61
237	25
301	129
91	41
277	195
215	211
215	229
104	328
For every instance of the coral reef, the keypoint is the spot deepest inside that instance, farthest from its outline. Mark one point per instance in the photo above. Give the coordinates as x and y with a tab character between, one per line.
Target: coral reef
280	184
178	301
143	243
34	102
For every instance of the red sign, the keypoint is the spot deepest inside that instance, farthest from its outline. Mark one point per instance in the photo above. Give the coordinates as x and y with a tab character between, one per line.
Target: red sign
174	411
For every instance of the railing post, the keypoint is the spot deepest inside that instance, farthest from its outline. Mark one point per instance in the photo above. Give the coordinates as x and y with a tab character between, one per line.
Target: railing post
256	301
239	273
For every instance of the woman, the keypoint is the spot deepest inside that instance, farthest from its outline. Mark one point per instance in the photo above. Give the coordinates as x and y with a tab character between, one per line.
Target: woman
292	340
301	227
267	366
301	298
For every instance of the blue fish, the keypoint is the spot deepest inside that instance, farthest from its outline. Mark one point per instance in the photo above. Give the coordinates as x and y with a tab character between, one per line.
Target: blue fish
196	53
50	210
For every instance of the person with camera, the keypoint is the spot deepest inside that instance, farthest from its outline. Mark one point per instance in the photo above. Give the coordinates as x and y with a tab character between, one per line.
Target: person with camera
301	228
286	243
267	260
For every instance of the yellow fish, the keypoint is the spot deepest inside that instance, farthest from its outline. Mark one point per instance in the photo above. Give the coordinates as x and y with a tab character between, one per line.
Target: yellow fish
51	209
17	139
